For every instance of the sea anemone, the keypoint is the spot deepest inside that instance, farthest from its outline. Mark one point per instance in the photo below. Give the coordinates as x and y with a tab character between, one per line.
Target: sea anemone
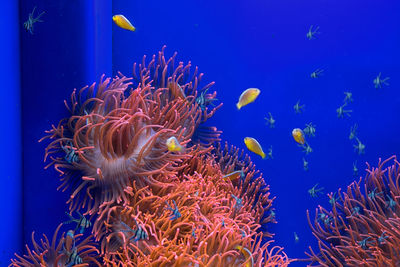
58	252
117	134
201	219
363	226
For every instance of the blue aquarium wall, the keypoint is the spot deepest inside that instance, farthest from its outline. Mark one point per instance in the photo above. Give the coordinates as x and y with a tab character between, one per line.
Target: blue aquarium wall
239	44
11	157
69	49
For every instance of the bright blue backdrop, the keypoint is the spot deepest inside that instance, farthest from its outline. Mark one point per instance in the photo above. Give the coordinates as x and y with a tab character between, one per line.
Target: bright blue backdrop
69	49
10	135
238	44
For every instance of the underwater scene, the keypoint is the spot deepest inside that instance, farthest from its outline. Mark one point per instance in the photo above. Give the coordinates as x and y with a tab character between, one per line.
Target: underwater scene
200	133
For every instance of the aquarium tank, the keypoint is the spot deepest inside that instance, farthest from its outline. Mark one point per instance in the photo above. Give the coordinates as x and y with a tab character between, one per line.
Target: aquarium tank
200	133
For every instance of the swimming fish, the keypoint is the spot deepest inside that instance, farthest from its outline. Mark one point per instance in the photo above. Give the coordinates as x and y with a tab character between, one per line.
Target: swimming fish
247	97
233	175
82	223
173	144
123	22
254	146
296	237
69	240
247	254
298	136
72	256
70	250
28	25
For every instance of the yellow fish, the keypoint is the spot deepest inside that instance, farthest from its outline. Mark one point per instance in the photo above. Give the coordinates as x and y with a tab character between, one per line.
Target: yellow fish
173	144
247	97
254	146
123	22
247	254
298	136
233	175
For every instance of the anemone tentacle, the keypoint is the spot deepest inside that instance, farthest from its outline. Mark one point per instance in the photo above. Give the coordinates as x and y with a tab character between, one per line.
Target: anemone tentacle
53	254
361	228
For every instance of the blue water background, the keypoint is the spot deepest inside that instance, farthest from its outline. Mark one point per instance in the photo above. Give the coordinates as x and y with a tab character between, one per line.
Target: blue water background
237	44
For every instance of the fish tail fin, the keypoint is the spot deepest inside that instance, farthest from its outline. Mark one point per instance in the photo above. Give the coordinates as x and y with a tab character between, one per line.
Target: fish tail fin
263	155
238	106
70	217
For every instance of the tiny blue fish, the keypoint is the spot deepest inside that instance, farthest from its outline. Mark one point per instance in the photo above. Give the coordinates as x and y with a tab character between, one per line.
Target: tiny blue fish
70	251
138	234
28	25
82	223
175	212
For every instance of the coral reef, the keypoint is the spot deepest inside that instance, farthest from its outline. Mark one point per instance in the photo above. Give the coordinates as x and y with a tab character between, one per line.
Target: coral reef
363	226
151	206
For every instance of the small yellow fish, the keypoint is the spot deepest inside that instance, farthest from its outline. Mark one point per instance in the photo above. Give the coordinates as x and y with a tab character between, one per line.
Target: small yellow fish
247	97
298	136
173	144
233	175
123	22
247	254
254	146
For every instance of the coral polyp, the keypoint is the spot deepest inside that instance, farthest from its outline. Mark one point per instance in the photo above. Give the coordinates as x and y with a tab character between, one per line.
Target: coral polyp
117	134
